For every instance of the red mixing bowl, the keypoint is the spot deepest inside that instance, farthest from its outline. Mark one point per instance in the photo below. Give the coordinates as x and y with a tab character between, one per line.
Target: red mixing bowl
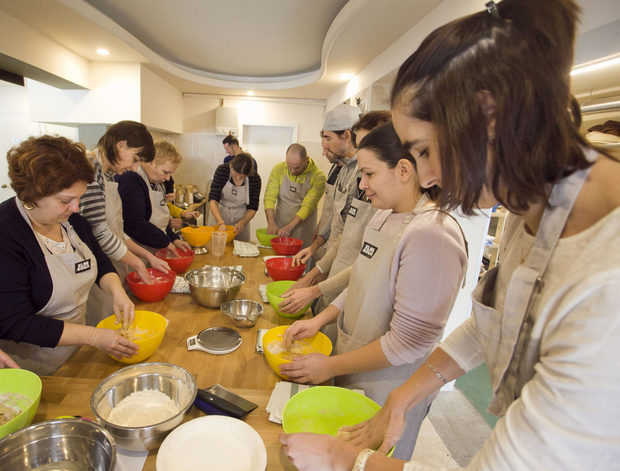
286	245
281	269
157	290
178	264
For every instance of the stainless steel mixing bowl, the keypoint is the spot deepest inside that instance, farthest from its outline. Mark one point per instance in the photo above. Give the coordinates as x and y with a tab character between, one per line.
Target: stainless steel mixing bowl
243	312
176	382
63	444
213	286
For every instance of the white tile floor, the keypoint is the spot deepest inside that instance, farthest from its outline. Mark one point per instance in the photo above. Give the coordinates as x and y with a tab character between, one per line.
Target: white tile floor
430	448
452	432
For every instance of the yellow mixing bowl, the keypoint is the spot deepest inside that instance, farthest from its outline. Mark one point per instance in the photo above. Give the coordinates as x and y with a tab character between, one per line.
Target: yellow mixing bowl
147	329
318	343
197	236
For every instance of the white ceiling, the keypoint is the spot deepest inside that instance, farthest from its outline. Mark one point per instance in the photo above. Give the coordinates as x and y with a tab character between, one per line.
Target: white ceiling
285	48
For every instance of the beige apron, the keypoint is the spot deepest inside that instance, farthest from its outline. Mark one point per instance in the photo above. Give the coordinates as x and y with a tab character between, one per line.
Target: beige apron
290	197
326	214
360	213
509	351
367	314
72	275
160	214
233	206
100	305
346	188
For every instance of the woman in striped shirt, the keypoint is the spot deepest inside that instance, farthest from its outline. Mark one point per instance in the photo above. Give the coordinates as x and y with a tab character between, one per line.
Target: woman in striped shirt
119	150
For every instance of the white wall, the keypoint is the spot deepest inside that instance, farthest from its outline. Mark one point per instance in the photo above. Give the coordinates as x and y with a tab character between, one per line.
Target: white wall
161	103
402	48
28	45
114	96
15	126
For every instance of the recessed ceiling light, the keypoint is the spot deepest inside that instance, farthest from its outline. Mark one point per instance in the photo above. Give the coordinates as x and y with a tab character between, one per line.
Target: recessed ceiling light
103	52
249	93
596	65
346	76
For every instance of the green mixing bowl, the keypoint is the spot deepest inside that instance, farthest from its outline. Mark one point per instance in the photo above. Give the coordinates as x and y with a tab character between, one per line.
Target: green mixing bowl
263	237
324	409
275	290
19	389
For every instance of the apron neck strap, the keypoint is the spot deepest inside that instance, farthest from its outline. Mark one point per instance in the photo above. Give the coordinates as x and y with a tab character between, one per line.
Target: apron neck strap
553	221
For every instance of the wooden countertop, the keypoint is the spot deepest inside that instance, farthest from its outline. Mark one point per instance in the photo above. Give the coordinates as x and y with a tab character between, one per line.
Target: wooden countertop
244	371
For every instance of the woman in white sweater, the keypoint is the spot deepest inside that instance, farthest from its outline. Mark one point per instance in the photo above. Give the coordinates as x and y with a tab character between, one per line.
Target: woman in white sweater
546	320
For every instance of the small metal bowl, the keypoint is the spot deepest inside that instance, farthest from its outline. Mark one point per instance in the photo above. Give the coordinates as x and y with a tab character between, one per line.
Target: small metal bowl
213	286
243	312
176	382
59	444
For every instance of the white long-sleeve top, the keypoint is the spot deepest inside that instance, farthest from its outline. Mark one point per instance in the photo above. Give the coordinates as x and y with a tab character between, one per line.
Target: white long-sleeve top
568	414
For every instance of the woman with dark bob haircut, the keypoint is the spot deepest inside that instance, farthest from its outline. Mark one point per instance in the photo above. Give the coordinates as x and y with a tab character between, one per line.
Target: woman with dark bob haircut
234	195
50	260
386	323
121	149
483	106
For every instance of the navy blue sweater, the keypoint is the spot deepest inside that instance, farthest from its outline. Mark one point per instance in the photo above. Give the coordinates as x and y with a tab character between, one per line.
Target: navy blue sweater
137	211
25	281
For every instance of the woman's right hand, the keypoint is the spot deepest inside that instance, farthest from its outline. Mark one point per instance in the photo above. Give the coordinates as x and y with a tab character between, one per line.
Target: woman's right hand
143	273
6	361
303	256
158	264
111	342
300	330
297	299
382	430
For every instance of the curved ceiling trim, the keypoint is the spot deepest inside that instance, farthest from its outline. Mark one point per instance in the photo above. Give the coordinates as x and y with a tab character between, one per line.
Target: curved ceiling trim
338	26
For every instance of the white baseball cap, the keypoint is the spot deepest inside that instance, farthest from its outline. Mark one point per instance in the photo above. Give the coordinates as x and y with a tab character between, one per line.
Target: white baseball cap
341	117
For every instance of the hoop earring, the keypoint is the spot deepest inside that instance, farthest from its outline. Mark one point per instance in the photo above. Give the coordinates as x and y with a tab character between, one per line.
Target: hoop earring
28	206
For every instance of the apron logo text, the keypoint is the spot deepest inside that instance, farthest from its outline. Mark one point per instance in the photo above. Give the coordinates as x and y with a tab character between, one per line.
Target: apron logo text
368	250
293	189
233	191
82	266
352	211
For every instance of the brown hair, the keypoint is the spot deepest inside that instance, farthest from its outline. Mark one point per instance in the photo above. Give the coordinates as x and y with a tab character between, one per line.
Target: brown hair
43	166
369	121
243	163
166	152
230	139
522	57
136	135
384	143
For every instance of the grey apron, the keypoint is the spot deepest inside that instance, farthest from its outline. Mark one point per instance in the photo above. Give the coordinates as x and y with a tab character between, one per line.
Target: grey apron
290	197
326	215
160	214
99	305
509	351
67	302
367	314
346	188
233	206
349	245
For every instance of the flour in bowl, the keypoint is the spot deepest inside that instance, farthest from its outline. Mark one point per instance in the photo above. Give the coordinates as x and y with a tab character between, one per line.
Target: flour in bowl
143	408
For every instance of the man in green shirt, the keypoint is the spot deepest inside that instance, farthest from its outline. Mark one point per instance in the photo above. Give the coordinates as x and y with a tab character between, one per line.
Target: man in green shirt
293	192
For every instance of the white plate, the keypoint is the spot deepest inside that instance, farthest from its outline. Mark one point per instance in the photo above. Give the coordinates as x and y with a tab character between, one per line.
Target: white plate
214	442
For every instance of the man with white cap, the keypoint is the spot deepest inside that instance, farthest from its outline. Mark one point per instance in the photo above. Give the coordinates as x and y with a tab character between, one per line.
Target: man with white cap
338	147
